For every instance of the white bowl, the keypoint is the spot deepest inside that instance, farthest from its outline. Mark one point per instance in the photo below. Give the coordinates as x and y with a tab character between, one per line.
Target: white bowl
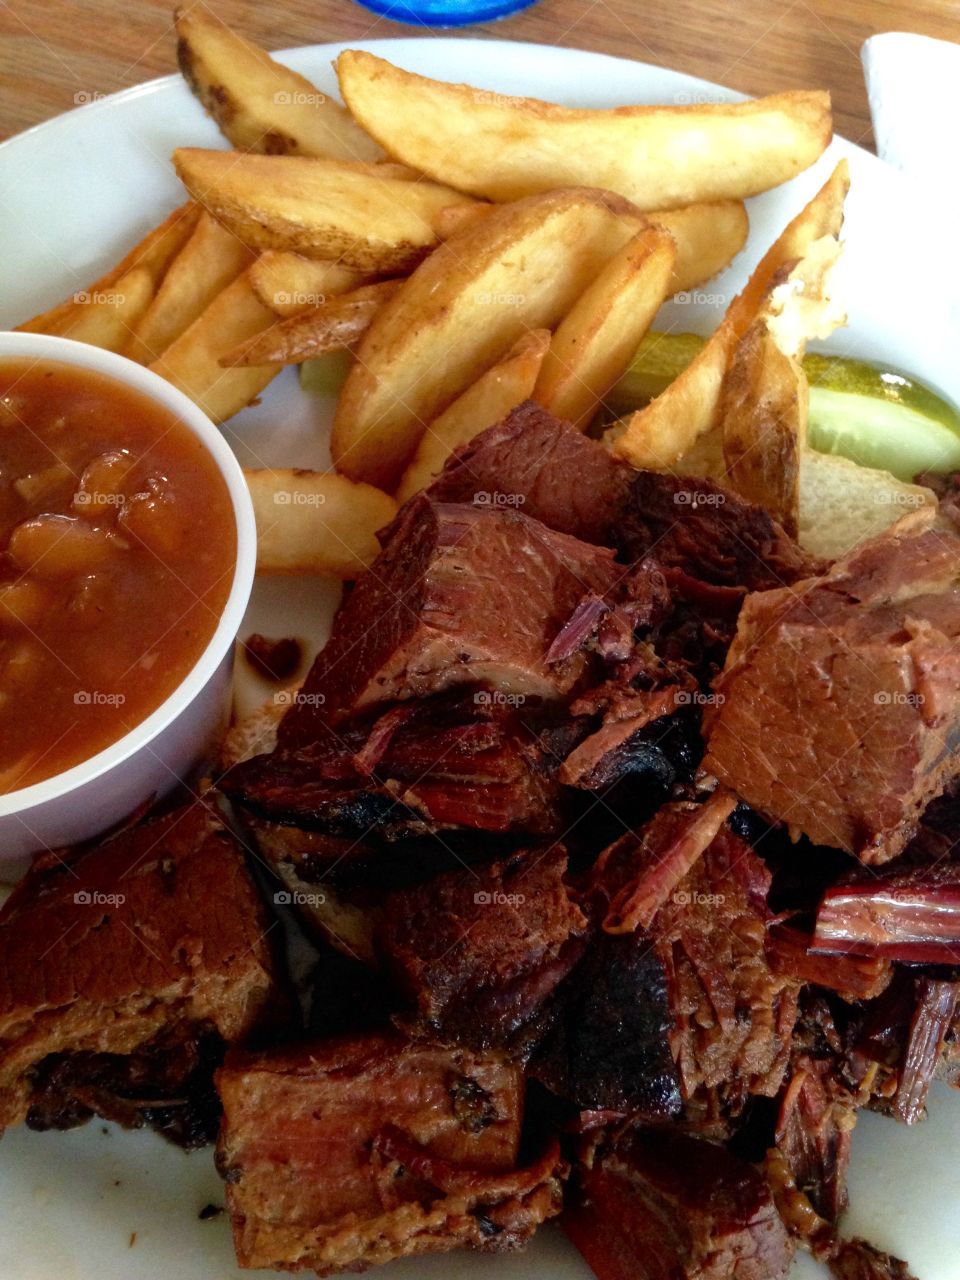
149	760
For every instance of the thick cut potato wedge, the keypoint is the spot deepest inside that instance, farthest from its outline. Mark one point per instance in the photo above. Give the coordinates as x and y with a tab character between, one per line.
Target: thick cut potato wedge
336	324
154	253
492	396
259	104
369	219
206	264
598	337
658	157
192	363
107	317
658	435
289	284
708	237
316	522
520	268
763	420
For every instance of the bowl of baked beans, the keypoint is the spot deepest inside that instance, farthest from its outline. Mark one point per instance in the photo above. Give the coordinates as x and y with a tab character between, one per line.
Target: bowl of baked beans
127	553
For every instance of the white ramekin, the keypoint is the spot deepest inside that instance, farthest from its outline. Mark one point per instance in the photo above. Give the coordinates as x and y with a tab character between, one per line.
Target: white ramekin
149	760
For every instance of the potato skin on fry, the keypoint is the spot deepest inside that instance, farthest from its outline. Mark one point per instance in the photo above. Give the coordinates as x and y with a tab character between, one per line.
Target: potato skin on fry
334	325
367	216
259	104
316	522
658	435
658	157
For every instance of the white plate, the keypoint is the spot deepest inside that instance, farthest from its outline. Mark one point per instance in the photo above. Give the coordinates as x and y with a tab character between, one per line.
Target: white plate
75	193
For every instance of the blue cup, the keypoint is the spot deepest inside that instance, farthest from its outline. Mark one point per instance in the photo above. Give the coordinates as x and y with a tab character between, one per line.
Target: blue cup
445	13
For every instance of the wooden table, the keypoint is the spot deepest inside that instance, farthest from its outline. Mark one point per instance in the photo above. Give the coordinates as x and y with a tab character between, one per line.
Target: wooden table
52	52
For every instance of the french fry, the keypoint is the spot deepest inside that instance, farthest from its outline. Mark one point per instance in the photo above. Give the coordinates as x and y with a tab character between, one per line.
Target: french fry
154	253
206	264
708	237
316	522
107	317
504	148
596	340
490	398
763	421
371	219
658	435
449	221
288	284
192	363
519	268
259	104
336	324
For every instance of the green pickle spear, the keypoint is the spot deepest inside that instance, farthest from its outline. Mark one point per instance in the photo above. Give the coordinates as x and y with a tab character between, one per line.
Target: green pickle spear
877	417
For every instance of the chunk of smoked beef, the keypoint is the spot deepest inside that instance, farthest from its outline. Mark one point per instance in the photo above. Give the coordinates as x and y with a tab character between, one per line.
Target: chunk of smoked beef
912	916
840	711
122	967
608	1049
339	1154
479	952
653	1204
460	594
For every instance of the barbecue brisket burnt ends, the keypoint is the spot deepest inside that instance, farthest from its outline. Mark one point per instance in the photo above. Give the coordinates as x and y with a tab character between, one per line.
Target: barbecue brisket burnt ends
342	1153
840	712
574	485
460	594
479	953
123	970
654	1204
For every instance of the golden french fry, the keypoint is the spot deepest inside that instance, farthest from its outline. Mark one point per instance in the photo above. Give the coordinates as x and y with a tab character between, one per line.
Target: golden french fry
259	104
490	398
598	337
449	221
763	421
369	218
336	324
797	307
206	264
519	268
505	147
316	522
107	317
288	284
154	253
708	237
192	362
